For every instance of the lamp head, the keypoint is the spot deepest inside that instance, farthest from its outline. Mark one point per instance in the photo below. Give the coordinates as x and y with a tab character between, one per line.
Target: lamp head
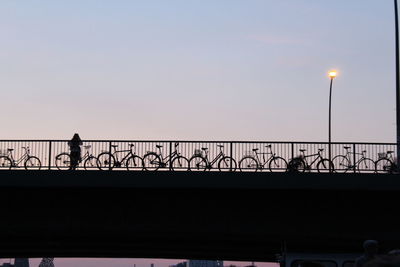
332	74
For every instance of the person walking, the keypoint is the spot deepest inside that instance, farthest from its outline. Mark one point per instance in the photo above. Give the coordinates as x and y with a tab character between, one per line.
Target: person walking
75	151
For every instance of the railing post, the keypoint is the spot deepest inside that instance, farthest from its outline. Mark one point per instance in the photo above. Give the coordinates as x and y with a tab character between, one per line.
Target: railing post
354	157
292	147
330	156
49	155
170	158
231	148
109	155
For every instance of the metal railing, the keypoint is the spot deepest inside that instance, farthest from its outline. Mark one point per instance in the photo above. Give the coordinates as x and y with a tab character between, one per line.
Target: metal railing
134	155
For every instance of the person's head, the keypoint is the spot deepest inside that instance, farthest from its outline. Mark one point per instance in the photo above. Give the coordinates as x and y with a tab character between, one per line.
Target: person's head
76	137
370	247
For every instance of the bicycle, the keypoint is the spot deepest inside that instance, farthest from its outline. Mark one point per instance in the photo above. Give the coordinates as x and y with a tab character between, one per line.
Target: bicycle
386	163
252	161
200	161
30	162
63	160
300	163
344	164
152	161
109	161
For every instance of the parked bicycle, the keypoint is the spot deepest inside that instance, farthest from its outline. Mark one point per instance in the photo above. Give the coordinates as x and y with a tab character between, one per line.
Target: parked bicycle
109	161
200	162
7	161
252	162
63	160
152	161
343	163
301	164
386	163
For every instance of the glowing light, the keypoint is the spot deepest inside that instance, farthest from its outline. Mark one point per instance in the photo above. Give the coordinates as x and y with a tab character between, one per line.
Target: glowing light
333	74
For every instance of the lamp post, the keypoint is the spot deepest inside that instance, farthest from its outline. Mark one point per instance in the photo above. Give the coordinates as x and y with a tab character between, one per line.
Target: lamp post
396	21
332	75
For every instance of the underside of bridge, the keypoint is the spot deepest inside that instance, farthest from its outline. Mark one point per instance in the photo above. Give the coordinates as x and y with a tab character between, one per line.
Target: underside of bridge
204	215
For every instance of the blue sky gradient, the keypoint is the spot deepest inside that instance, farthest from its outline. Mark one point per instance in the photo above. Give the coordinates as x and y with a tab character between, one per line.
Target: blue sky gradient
218	70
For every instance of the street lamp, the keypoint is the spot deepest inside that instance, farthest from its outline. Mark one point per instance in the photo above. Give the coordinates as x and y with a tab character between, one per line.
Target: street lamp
396	28
332	75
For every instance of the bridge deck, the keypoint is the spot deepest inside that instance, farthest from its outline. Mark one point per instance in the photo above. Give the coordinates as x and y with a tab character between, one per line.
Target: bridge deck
238	216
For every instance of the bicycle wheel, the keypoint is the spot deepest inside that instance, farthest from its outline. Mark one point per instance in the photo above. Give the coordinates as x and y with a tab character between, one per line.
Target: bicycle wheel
151	162
296	165
105	161
248	164
197	163
384	166
180	164
227	164
90	163
32	163
341	164
63	161
325	166
5	162
277	164
134	163
366	165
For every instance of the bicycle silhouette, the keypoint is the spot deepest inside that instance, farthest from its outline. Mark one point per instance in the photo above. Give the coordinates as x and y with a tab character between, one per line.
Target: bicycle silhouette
30	162
252	161
343	163
301	164
152	161
109	161
63	160
386	163
200	162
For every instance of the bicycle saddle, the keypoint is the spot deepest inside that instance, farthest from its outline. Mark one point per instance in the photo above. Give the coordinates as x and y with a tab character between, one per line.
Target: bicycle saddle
255	149
114	145
131	145
87	147
346	147
159	146
302	150
268	146
320	149
204	148
390	152
10	149
220	146
364	151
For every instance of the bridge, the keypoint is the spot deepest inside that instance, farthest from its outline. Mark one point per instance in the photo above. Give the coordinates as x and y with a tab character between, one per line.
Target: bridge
232	215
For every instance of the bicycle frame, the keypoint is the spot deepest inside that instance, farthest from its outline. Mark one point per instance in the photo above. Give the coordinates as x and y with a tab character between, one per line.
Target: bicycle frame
265	153
22	158
168	157
348	153
317	157
220	155
127	155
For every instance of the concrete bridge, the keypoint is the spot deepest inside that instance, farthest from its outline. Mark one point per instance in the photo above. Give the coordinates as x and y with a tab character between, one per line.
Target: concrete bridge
211	215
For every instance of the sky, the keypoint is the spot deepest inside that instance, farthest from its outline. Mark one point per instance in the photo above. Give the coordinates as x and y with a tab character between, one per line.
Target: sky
197	70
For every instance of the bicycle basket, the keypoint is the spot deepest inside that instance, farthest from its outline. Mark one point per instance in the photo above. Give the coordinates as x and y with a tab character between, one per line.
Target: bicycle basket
381	155
198	152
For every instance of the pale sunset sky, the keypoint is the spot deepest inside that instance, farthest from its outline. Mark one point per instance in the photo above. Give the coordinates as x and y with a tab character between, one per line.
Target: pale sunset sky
196	70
